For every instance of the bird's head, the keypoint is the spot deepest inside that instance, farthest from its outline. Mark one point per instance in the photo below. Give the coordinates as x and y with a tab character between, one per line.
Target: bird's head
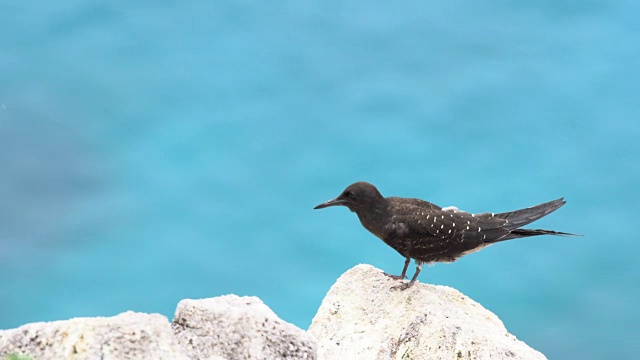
356	196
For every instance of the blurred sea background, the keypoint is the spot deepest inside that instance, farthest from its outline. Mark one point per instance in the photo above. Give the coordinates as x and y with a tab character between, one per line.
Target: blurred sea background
155	151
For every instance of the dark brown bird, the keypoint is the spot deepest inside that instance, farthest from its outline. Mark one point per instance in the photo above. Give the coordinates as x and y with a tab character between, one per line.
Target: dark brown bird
423	231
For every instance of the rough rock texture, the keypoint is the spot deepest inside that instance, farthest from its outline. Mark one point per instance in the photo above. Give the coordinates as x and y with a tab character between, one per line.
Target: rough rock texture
365	317
234	327
126	336
362	317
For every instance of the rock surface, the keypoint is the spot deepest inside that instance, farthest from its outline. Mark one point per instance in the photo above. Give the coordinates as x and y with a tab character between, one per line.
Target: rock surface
364	317
223	328
236	327
126	336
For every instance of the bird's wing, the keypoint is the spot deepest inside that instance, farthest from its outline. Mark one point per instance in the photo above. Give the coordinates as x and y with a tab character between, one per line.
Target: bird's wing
523	217
427	233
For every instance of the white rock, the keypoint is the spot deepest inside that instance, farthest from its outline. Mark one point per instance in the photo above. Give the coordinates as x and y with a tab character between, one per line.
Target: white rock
364	317
126	336
236	327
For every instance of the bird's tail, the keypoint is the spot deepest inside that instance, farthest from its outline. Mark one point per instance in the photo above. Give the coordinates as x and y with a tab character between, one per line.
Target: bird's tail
522	217
518	233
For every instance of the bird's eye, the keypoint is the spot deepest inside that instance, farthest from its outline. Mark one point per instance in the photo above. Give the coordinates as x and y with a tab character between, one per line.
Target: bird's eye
351	194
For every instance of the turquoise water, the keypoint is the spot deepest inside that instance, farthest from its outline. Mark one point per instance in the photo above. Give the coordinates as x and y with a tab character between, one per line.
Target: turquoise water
155	151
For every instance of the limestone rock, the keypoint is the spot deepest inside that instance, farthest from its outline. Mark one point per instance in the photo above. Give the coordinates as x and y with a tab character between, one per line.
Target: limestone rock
126	336
365	317
234	327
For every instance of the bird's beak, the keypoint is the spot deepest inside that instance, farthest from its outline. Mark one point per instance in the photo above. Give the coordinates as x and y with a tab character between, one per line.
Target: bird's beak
333	202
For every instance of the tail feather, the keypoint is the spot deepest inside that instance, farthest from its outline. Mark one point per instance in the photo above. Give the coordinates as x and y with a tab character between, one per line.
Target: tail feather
522	217
518	233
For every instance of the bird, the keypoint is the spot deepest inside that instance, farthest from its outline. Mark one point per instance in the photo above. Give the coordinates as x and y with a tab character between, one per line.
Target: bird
428	233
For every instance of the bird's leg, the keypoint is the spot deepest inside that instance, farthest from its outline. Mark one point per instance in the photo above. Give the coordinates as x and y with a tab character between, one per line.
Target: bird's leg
415	276
405	286
404	271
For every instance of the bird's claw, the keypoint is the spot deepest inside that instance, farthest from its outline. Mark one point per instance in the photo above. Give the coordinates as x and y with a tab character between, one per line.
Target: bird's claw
396	277
401	287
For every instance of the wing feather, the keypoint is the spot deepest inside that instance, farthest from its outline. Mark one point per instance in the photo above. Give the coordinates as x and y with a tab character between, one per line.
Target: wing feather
434	235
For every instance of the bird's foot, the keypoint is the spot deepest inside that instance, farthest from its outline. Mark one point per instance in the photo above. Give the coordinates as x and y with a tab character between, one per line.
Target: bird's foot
403	286
396	277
